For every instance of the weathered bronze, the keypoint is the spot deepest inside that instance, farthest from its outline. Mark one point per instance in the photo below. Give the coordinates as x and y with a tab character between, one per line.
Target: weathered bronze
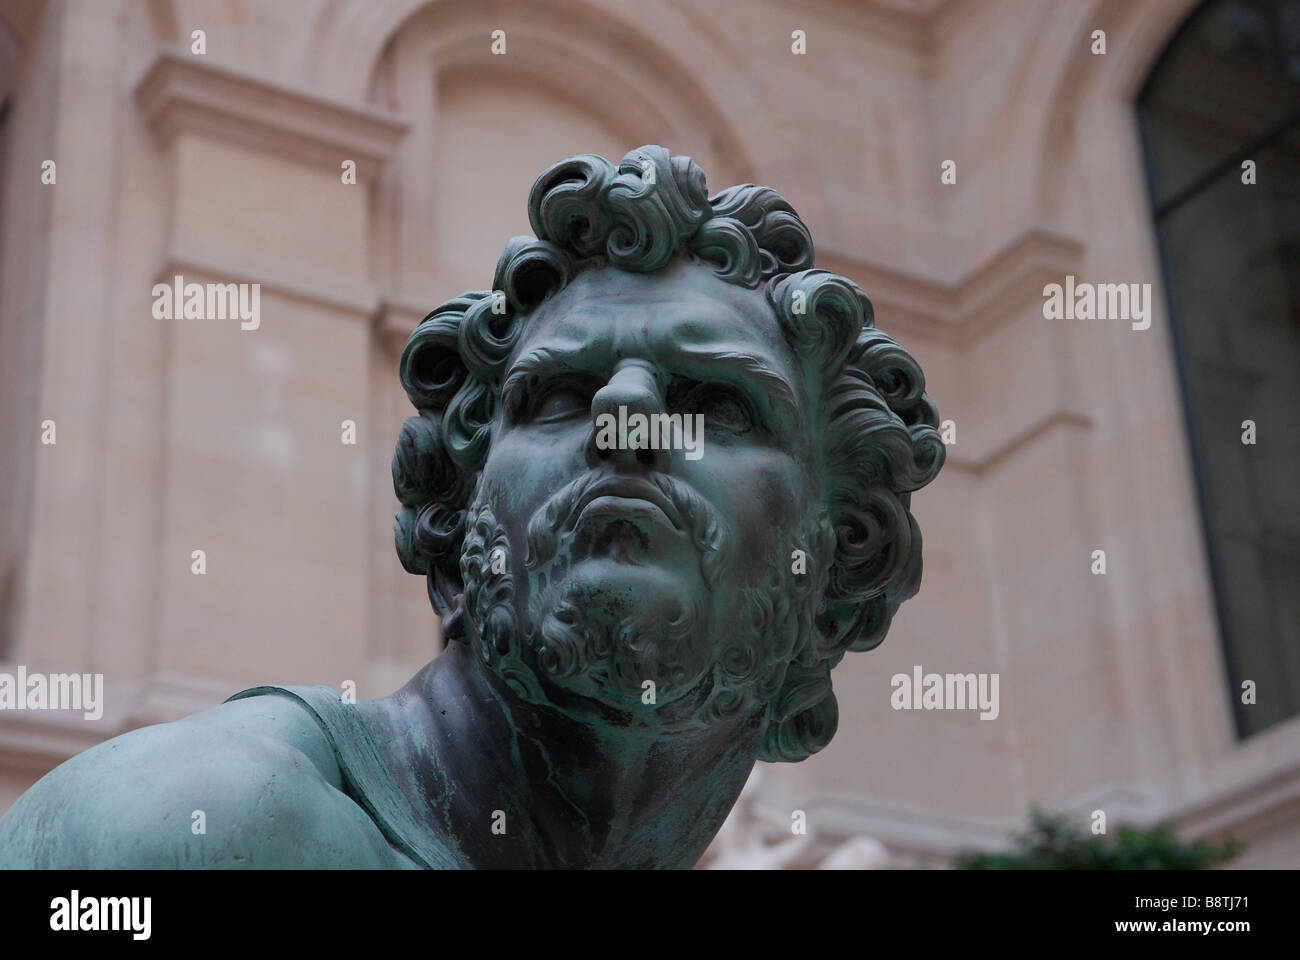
635	611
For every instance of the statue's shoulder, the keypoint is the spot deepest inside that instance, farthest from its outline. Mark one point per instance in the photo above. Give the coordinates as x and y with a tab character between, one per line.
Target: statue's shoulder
382	758
250	783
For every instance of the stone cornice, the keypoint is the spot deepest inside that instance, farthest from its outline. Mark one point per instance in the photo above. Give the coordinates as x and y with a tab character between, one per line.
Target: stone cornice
990	459
961	313
199	259
182	93
1250	781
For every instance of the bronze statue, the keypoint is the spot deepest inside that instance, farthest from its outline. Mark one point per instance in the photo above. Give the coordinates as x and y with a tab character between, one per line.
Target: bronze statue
658	486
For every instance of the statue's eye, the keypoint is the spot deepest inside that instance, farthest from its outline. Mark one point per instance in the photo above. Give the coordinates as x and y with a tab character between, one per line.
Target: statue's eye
560	401
724	407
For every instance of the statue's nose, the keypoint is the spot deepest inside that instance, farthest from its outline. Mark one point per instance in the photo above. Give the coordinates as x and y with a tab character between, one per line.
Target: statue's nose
637	387
634	385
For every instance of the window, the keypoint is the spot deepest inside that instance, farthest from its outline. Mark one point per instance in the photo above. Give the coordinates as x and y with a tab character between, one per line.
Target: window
1225	96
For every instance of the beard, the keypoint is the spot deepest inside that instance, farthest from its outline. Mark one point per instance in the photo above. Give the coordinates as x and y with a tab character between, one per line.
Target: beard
624	630
595	642
585	635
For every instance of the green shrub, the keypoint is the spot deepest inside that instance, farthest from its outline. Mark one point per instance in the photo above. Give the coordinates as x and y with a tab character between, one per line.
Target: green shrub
1057	842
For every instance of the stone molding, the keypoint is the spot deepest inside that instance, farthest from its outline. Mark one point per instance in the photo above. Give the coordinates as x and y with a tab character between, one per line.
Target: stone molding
181	93
198	257
961	314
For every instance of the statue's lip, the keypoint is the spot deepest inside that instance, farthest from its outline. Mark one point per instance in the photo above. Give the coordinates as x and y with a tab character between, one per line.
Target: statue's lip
630	488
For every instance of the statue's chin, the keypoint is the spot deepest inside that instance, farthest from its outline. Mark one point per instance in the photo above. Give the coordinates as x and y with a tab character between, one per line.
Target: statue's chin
623	632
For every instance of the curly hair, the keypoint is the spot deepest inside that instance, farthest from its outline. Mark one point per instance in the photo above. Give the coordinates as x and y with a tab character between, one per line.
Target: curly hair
881	427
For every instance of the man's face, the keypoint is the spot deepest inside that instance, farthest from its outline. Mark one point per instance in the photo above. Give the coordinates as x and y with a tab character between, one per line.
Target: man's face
635	564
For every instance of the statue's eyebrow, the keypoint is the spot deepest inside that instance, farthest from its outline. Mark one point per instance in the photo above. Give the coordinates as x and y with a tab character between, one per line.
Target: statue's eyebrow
758	375
537	361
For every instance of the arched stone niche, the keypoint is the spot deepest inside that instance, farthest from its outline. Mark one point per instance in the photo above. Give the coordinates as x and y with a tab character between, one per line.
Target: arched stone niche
565	84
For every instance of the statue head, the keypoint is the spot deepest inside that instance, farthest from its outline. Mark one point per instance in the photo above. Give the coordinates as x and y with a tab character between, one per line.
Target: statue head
661	472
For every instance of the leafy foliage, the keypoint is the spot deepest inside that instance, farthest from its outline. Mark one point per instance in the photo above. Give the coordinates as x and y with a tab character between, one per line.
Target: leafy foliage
1059	842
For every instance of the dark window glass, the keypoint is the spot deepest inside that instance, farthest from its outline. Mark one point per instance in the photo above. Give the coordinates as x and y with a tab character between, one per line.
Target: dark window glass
1227	90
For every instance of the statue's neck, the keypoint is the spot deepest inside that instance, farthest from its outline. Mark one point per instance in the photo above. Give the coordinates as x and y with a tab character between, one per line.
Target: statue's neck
569	792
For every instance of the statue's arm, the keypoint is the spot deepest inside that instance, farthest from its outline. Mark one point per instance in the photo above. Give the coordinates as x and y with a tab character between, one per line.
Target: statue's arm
256	775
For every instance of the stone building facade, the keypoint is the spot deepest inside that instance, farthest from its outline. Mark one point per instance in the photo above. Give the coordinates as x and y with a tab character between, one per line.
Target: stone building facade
224	166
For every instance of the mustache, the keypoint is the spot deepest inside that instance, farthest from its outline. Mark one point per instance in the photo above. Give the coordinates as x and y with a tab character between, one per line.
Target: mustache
688	511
